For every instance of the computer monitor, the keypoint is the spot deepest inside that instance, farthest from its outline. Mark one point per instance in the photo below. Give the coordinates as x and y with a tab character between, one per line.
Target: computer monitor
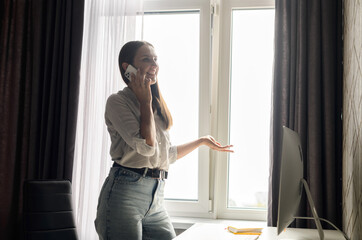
292	182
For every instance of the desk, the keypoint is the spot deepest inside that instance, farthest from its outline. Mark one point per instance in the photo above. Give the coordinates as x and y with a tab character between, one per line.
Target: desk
214	231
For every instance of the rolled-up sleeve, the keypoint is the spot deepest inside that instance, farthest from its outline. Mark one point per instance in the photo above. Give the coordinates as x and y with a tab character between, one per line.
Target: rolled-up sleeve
143	148
126	123
172	154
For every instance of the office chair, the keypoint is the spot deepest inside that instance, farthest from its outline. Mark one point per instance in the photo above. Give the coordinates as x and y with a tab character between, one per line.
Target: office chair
48	212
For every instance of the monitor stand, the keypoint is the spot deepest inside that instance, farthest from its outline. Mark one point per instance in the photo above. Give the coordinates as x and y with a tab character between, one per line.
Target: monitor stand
313	209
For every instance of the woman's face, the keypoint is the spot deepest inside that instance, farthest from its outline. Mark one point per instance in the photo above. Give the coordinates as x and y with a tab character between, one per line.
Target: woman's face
146	60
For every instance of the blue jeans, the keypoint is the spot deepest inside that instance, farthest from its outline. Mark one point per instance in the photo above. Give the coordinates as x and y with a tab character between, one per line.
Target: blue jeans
131	207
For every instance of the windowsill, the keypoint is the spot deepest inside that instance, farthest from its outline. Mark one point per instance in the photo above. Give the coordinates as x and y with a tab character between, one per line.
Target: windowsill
184	223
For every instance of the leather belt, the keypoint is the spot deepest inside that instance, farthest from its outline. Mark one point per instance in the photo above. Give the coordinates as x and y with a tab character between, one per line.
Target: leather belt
148	172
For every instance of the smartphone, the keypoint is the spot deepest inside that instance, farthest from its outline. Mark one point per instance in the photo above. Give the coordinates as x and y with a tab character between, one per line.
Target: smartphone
130	69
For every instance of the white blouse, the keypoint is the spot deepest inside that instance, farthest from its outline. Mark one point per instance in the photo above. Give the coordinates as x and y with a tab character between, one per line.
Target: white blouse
128	148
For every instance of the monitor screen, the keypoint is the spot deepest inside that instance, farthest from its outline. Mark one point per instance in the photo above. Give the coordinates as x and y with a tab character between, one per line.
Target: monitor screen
291	174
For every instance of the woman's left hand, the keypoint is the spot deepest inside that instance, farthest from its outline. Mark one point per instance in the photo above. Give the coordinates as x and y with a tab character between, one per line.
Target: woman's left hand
215	145
209	141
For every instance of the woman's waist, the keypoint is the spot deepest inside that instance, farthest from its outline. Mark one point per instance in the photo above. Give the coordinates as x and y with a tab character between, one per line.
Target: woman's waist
155	173
135	160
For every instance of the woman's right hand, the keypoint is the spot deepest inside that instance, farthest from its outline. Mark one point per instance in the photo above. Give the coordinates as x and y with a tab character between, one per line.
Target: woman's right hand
141	86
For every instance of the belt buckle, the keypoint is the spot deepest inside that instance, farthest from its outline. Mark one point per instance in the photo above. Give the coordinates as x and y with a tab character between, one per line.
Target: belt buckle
157	174
153	173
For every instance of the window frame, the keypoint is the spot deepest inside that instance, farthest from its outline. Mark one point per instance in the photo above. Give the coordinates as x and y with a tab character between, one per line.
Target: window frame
214	95
223	99
201	207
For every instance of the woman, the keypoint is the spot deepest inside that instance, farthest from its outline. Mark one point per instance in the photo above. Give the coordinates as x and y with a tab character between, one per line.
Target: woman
131	200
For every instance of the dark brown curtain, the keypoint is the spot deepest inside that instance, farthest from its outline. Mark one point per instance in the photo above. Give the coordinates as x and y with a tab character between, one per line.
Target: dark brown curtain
40	50
307	97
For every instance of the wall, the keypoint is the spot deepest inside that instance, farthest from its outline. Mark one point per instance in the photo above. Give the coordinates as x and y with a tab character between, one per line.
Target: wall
352	120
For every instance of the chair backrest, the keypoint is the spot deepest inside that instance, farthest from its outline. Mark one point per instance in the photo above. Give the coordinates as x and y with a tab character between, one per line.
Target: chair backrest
48	212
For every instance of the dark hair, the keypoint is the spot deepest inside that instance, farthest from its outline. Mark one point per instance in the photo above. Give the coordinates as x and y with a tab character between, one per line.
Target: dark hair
126	55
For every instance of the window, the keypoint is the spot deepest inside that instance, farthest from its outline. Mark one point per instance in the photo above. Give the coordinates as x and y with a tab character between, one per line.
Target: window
180	33
243	101
250	89
240	112
177	44
214	73
247	57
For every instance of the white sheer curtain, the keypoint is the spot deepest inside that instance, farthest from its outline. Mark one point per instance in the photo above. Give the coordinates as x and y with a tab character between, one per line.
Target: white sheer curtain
108	24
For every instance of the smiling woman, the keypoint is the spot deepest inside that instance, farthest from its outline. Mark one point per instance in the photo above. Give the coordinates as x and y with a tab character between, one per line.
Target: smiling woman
145	60
131	203
183	36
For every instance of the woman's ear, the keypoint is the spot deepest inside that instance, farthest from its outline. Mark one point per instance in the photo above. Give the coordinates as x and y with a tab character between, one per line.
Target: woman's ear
124	66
